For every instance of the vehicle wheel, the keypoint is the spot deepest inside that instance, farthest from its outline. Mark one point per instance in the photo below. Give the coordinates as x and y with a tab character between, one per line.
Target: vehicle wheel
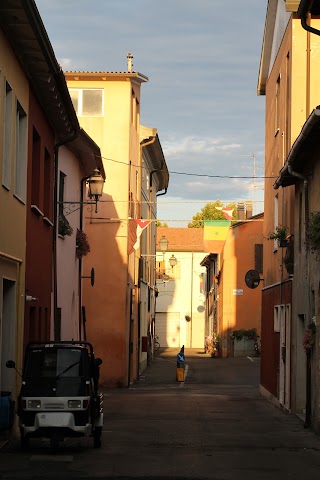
156	346
97	437
24	441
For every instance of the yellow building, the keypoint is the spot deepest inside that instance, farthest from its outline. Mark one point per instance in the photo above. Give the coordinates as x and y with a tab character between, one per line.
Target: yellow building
108	108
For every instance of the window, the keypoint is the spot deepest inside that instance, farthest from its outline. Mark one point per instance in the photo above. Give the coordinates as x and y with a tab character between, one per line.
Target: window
87	102
277	106
35	182
47	181
300	222
164	268
7	137
61	192
258	257
278	317
160	269
20	172
63	224
276	219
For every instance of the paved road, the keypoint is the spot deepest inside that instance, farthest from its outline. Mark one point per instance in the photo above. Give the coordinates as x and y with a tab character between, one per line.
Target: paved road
212	426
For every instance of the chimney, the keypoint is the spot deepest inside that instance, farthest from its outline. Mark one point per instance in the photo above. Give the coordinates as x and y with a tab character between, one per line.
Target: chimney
130	64
248	209
240	208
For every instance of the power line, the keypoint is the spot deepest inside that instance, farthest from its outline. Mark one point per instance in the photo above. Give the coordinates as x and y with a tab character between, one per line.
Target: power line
163	202
114	220
194	174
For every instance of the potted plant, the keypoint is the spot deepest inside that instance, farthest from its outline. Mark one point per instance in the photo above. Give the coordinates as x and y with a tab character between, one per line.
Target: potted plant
288	259
64	227
309	338
313	233
82	244
280	234
288	263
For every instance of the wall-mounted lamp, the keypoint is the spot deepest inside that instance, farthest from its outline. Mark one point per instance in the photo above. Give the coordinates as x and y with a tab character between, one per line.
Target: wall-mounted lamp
30	298
95	183
173	261
163	244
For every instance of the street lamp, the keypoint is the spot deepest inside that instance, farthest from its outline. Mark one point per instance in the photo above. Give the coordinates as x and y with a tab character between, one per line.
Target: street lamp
173	261
95	183
163	244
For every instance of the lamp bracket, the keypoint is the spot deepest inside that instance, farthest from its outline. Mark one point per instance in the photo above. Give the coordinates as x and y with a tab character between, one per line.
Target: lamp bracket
70	207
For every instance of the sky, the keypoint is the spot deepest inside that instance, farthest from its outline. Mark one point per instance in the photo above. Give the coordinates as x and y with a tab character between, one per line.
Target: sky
202	60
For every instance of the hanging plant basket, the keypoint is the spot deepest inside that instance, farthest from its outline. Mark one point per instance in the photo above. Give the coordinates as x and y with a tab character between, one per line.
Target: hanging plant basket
309	338
82	244
280	234
64	227
313	234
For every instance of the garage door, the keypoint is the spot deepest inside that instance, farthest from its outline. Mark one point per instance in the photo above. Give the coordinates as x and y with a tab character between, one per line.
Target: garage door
168	329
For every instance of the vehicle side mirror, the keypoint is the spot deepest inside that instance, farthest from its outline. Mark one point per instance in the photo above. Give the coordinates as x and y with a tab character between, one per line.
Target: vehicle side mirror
10	364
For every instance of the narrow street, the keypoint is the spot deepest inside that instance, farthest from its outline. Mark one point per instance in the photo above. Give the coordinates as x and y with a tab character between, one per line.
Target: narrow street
213	426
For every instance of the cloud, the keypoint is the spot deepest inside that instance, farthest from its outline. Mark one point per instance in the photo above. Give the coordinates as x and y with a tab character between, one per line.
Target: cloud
175	148
203	68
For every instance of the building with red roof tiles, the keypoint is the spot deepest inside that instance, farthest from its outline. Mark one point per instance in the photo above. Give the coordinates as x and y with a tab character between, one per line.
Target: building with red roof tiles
180	310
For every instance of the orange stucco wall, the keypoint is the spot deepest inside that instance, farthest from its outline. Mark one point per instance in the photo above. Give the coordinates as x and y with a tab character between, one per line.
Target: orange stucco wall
111	305
239	306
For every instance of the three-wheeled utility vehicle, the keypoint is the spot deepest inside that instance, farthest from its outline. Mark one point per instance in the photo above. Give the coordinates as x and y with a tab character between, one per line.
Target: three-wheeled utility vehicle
59	394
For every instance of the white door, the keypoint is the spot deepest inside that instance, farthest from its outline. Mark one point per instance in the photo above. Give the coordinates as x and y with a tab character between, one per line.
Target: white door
167	327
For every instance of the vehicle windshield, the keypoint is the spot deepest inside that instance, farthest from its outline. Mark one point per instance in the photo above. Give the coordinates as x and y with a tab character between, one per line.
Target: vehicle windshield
52	371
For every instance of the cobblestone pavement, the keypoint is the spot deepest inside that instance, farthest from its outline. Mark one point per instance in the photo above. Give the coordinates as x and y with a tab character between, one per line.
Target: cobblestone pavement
214	425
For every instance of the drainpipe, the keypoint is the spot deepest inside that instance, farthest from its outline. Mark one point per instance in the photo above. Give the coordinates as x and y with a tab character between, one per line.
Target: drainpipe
55	223
142	146
191	300
308	365
80	314
163	193
303	12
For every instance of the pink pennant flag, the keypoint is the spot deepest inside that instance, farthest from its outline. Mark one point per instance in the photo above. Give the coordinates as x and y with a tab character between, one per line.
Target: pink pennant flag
141	225
227	213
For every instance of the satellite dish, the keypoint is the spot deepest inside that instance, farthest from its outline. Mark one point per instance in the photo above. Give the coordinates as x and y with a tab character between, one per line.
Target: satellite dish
252	279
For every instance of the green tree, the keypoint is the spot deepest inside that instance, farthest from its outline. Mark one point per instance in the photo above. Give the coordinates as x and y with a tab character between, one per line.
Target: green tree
159	224
210	212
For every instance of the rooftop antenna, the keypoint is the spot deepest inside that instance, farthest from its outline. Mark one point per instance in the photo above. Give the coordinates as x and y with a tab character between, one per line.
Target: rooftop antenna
255	186
130	63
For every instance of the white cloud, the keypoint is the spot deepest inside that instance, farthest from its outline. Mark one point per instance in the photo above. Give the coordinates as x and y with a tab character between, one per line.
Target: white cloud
202	67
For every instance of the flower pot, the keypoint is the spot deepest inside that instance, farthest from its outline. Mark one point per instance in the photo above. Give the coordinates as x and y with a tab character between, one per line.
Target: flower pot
283	243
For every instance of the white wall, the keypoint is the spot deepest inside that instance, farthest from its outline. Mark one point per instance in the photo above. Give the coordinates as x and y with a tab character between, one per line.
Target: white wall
179	298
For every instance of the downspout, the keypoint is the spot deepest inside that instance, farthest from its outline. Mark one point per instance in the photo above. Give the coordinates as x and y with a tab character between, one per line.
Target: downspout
303	12
191	299
142	146
307	422
163	193
80	314
55	224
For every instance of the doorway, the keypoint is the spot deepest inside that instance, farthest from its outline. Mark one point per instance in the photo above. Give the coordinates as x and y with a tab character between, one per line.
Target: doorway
7	333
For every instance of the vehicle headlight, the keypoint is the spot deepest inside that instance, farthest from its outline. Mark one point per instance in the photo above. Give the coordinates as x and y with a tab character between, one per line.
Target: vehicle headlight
74	404
34	404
